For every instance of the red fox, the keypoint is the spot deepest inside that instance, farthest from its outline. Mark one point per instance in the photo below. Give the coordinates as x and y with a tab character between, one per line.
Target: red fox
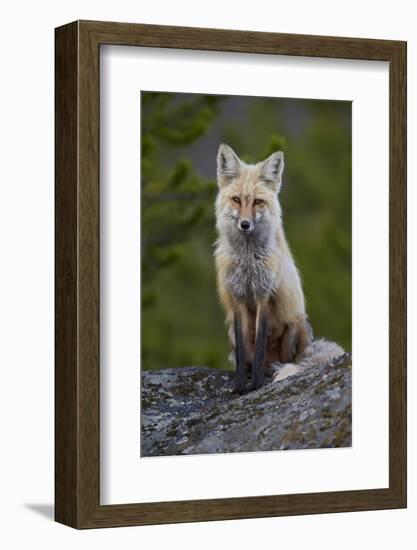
258	283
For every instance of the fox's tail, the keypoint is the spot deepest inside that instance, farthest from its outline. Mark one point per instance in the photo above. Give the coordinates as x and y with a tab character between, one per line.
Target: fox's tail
318	353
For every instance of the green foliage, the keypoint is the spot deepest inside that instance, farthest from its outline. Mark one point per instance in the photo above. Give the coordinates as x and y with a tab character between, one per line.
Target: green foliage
182	322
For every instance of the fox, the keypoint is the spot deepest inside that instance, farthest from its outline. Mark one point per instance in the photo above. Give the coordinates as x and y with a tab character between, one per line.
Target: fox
258	283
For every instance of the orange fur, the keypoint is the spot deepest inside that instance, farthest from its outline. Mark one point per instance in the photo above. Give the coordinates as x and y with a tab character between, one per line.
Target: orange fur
244	194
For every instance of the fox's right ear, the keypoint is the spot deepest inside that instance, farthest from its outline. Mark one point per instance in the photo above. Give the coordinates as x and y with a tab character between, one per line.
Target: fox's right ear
228	165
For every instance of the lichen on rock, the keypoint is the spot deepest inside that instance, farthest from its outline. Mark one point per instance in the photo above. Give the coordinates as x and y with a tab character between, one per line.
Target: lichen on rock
193	410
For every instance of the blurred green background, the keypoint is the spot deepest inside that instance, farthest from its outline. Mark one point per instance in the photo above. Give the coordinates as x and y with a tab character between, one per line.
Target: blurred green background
182	321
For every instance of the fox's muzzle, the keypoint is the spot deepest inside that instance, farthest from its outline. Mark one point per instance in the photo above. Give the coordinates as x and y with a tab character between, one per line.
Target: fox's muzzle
246	225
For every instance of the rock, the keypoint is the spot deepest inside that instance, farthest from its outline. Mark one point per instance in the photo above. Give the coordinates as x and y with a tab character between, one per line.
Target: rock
193	410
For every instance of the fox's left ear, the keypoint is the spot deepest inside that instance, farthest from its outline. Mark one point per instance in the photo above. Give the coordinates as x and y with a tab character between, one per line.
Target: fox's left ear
272	170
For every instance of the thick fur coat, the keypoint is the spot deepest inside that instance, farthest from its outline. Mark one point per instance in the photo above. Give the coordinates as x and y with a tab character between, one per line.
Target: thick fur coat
258	281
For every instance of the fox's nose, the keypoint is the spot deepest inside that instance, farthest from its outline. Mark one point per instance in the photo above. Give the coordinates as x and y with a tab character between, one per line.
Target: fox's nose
244	224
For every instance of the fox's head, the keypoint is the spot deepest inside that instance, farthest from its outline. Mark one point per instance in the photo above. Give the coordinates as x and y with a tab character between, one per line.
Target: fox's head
247	203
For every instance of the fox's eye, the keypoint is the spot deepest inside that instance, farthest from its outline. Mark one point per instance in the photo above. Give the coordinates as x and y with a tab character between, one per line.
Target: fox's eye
236	200
258	202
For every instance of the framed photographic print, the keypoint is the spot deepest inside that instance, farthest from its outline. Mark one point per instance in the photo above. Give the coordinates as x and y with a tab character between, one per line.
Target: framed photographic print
230	274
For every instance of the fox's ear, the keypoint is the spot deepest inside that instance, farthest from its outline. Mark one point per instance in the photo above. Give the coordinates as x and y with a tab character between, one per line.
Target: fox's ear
272	169
228	164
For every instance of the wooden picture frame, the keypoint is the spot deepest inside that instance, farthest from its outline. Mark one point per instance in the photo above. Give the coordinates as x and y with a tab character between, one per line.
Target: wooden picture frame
77	374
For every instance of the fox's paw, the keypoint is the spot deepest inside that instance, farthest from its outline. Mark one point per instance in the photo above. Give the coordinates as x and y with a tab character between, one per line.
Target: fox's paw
239	389
258	377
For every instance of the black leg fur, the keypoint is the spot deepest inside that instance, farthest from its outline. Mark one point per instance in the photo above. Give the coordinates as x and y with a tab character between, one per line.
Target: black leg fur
240	355
260	351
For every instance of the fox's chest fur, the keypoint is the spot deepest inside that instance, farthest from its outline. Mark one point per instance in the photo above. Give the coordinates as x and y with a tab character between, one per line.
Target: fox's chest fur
250	276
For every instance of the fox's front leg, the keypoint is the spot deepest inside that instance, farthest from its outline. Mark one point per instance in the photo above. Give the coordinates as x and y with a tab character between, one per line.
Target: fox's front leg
260	347
240	353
